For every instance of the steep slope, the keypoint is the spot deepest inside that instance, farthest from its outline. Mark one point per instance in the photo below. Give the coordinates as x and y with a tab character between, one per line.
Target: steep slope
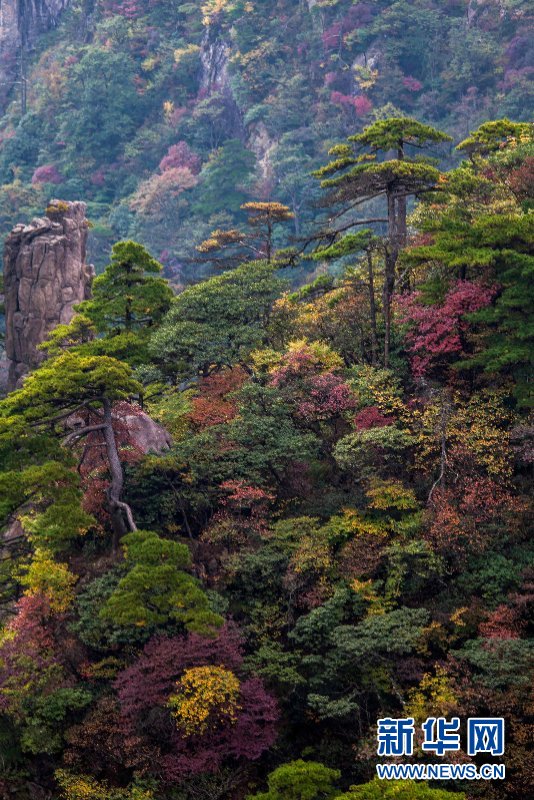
21	23
166	116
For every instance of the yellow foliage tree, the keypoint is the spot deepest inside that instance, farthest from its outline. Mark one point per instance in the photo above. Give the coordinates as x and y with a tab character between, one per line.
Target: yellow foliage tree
204	698
433	697
84	787
53	580
315	357
212	8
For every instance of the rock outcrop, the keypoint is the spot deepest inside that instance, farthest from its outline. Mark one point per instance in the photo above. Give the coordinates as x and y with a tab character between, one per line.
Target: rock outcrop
133	426
262	145
21	22
215	53
45	276
146	435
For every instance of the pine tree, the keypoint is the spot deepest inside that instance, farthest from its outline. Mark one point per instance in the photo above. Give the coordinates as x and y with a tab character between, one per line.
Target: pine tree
72	385
130	294
236	246
156	589
359	177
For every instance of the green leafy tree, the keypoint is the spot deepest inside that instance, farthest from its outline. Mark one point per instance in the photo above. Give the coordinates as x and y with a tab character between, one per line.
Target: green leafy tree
79	331
506	325
129	300
44	729
218	322
373	451
102	104
46	497
260	446
291	166
92	629
223	178
349	244
398	790
492	136
268	439
347	660
156	590
300	780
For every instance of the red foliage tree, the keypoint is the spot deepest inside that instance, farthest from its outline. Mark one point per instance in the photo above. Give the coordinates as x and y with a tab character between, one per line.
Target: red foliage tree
359	15
437	332
48	173
242	498
309	382
332	36
483	499
297	364
30	656
361	104
503	623
242	517
100	742
412	84
328	396
131	9
521	180
180	155
144	690
462	517
371	417
98	178
214	405
362	556
314	389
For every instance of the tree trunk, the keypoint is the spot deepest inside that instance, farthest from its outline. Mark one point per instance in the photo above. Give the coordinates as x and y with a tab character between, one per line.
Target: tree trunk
443	428
372	309
402	228
401	206
269	241
121	513
400	210
392	253
295	208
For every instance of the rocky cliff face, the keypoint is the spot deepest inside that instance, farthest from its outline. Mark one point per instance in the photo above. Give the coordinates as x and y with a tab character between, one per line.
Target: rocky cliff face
45	276
215	54
21	22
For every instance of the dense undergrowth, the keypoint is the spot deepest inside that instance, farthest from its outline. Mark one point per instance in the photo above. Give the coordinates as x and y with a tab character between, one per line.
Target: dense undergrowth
340	531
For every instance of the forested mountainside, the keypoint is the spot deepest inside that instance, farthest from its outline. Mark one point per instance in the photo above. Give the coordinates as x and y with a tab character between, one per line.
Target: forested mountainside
167	116
243	523
267	479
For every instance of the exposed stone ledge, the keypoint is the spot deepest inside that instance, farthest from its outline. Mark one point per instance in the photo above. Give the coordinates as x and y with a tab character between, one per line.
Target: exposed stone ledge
45	276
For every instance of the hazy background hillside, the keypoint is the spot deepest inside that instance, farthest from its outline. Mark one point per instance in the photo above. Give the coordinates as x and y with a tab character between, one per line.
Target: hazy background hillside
166	116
